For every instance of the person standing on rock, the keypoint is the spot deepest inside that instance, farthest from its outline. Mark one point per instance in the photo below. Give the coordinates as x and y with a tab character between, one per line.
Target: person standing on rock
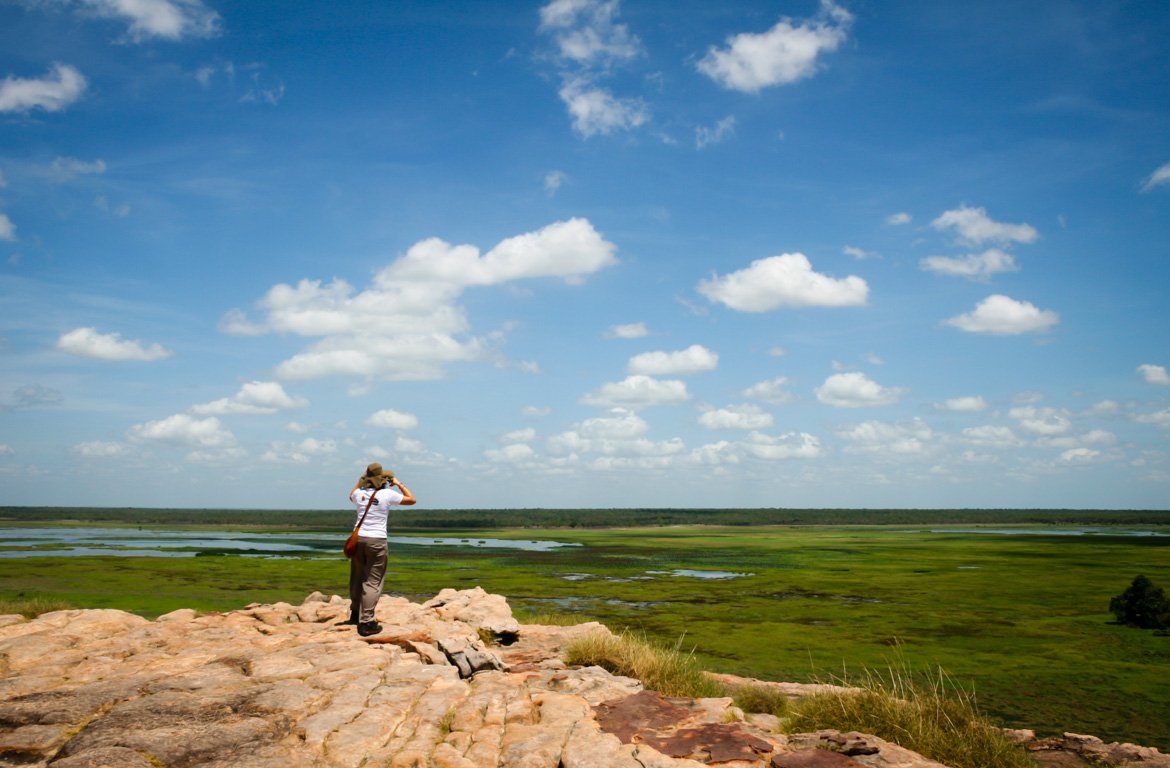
374	494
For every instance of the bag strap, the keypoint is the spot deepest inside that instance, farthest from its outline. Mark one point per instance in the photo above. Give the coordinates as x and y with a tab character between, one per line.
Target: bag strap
369	504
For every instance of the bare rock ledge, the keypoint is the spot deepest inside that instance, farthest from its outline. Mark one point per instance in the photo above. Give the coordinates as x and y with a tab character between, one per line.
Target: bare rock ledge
286	686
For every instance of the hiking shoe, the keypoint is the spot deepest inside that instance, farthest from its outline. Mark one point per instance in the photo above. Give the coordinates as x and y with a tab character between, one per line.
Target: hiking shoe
369	628
348	623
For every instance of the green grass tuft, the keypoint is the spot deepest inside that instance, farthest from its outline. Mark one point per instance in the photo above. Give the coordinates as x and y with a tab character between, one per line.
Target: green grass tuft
666	670
933	717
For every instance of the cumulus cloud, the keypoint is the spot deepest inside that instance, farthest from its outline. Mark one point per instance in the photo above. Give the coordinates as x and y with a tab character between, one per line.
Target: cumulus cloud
62	86
1160	419
627	331
406	325
790	445
596	111
910	438
181	429
1158	178
1042	421
639	391
166	19
787	280
972	226
967	404
616	440
721	131
254	398
897	219
974	266
770	391
857	253
786	53
87	342
855	390
515	453
991	436
519	435
1154	374
694	359
1003	316
736	417
392	419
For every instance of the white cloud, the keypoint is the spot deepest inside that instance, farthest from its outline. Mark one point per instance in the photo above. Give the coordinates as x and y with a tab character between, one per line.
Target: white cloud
1042	421
62	86
66	168
897	219
721	131
167	19
790	445
974	266
1154	374
535	410
392	419
1160	419
972	226
627	331
968	404
1004	316
694	359
786	280
769	391
99	449
35	395
6	449
855	390
784	54
254	397
87	342
181	429
991	436
1158	178
553	181
597	111
857	253
7	228
406	325
736	417
618	441
516	453
910	438
586	33
524	435
639	391
1079	456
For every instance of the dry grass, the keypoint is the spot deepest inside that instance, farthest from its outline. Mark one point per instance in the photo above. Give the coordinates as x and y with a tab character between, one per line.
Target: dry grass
669	671
31	607
933	717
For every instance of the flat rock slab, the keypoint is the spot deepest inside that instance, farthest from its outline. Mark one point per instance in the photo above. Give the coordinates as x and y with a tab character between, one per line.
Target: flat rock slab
288	686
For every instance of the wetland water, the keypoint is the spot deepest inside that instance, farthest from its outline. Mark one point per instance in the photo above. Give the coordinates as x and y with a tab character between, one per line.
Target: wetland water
135	542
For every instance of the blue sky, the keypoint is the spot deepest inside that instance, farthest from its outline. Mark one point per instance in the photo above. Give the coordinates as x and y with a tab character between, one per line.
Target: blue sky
585	253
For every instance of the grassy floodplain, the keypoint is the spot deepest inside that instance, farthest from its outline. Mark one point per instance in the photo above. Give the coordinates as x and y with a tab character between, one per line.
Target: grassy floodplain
1020	617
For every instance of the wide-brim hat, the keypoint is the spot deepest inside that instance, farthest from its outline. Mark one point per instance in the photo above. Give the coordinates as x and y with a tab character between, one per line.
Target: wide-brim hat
375	476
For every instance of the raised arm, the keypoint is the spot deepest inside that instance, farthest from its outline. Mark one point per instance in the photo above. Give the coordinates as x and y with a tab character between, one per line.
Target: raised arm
407	496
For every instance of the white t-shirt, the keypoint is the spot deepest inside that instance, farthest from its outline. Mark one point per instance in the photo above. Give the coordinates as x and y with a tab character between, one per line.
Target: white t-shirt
375	522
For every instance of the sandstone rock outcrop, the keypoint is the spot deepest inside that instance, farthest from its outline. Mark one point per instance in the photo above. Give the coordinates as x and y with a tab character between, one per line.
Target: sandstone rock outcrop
454	682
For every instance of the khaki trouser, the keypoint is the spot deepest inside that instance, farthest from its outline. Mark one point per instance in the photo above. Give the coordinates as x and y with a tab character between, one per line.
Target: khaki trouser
367	569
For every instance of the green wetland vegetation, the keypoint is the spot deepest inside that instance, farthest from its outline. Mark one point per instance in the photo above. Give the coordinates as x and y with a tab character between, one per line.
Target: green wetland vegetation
1011	606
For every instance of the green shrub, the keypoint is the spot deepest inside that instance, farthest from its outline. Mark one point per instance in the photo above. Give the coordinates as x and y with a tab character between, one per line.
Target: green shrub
765	699
1141	605
936	719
